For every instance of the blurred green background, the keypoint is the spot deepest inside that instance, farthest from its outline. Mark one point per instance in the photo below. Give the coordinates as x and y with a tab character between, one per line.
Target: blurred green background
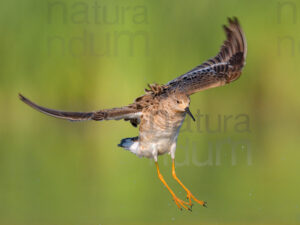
89	55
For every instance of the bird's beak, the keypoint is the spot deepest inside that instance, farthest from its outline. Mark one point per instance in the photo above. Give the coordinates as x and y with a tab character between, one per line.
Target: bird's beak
187	110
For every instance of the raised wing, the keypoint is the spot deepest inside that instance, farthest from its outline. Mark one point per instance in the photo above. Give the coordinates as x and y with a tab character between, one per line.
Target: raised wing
224	68
130	112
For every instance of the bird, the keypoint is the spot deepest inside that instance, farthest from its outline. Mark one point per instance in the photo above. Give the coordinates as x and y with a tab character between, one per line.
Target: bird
160	112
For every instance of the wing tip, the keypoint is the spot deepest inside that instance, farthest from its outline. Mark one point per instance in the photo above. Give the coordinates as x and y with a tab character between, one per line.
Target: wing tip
24	99
234	25
235	31
71	116
233	21
27	101
21	97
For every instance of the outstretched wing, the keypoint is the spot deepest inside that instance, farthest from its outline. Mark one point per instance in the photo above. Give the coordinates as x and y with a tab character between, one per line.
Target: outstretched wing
224	68
130	112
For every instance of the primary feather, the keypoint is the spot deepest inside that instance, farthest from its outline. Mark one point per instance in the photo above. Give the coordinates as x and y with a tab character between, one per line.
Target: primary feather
130	112
222	69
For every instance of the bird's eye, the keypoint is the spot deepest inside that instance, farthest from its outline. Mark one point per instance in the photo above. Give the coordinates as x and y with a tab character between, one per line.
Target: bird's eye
178	102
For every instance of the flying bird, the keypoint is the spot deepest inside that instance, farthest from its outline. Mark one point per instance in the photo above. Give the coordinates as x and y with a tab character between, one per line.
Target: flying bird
160	112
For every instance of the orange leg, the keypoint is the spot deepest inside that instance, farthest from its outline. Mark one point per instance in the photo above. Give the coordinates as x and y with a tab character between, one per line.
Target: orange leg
177	201
189	196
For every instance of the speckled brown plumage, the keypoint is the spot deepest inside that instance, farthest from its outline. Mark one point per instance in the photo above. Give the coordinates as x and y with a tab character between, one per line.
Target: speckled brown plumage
161	111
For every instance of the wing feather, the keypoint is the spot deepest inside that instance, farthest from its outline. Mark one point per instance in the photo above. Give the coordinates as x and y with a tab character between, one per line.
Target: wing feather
222	69
128	112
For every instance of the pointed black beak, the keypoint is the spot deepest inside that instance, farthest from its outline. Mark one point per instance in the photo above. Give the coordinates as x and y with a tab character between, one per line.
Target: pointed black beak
187	109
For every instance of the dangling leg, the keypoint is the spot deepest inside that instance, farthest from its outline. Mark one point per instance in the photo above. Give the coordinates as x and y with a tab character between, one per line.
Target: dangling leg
189	196
177	201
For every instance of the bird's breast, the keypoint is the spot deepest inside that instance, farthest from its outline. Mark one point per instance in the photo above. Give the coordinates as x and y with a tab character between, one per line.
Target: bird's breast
161	131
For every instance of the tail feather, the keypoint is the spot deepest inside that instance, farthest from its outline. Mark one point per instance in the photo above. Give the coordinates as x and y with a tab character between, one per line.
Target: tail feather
129	143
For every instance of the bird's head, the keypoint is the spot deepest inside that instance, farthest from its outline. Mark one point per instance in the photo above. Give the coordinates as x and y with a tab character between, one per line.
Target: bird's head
181	103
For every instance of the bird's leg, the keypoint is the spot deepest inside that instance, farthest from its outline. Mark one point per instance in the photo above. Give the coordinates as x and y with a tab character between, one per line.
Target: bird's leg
189	196
180	203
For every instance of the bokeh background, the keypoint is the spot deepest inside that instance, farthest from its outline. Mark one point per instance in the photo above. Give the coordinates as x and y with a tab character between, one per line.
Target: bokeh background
89	55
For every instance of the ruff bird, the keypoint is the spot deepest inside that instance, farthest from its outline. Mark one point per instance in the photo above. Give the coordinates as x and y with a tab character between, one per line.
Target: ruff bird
160	112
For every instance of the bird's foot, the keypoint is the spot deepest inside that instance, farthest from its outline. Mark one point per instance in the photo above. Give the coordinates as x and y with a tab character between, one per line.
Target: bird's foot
190	196
181	204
